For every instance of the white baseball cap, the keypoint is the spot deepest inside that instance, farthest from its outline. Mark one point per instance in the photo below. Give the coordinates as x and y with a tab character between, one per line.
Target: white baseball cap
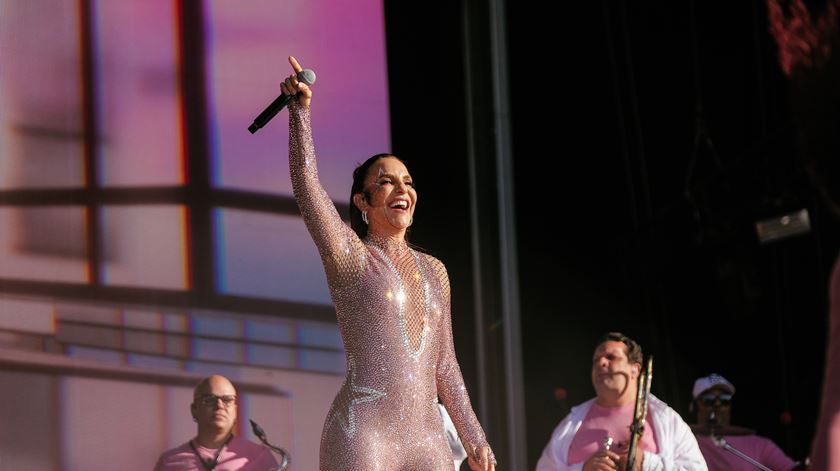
707	382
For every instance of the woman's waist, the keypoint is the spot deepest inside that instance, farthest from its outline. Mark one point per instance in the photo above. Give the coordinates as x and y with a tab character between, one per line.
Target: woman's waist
397	387
389	404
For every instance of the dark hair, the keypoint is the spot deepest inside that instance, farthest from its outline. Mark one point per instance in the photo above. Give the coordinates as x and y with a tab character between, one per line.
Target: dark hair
359	175
632	349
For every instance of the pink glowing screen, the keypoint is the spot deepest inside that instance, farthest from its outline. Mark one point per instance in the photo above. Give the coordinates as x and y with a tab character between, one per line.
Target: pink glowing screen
99	83
97	195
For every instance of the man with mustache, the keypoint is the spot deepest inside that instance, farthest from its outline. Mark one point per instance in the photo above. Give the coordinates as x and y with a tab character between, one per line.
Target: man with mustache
580	441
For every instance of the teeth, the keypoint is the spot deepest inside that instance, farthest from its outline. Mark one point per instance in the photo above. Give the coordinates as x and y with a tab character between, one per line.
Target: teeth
400	204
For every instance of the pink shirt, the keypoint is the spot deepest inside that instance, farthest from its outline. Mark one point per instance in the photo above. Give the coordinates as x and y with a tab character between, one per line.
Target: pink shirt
239	455
601	422
756	447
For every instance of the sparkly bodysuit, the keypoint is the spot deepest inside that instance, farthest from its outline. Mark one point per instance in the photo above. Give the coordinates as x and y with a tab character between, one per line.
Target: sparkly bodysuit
392	307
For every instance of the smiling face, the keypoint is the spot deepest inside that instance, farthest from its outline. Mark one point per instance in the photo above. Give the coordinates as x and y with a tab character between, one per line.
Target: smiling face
389	198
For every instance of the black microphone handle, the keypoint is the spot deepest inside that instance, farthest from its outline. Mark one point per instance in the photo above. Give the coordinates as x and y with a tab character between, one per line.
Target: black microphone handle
258	431
306	76
278	104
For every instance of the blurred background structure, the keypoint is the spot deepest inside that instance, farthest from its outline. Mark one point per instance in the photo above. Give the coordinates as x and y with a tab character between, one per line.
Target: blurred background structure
626	166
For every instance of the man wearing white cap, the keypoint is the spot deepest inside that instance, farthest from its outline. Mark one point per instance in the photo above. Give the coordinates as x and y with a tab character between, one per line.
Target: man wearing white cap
713	404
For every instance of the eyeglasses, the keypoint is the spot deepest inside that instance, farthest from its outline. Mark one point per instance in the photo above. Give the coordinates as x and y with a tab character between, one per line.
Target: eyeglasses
711	399
210	400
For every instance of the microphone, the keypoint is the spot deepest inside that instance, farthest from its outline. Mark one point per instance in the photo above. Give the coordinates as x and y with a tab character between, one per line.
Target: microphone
306	76
260	433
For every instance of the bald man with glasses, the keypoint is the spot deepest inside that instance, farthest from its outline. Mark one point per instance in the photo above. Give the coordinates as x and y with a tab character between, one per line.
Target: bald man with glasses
215	447
713	405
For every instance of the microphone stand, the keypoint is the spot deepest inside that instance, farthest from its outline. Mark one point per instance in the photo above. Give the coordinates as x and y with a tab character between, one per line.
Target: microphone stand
722	443
284	456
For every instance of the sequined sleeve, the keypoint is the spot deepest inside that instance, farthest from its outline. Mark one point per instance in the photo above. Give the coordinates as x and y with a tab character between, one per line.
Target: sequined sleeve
450	382
341	250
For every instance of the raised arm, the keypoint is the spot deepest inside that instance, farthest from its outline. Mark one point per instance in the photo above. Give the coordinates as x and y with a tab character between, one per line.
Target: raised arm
341	250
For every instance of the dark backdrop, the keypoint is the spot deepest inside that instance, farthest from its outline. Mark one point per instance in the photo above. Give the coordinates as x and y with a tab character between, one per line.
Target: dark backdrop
648	139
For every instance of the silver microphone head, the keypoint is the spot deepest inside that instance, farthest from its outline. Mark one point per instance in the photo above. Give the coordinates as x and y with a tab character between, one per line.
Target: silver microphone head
306	76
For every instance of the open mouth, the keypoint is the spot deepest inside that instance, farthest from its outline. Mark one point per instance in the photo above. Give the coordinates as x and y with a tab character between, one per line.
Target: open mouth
399	205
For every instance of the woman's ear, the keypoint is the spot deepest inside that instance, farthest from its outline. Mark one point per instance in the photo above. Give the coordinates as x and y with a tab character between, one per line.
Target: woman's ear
359	201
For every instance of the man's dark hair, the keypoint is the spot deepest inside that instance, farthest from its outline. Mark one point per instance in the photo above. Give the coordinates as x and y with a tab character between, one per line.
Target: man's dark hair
632	349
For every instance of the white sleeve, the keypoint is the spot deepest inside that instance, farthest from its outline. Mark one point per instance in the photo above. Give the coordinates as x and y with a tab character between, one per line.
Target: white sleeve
554	457
685	457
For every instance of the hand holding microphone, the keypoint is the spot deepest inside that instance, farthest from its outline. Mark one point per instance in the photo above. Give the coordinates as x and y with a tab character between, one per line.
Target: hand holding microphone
297	84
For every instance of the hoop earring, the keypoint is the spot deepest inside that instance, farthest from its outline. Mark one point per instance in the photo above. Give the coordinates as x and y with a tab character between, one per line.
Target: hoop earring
410	221
364	217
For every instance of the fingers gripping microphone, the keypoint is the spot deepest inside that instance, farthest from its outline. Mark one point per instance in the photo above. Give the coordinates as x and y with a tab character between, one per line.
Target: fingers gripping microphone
306	76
